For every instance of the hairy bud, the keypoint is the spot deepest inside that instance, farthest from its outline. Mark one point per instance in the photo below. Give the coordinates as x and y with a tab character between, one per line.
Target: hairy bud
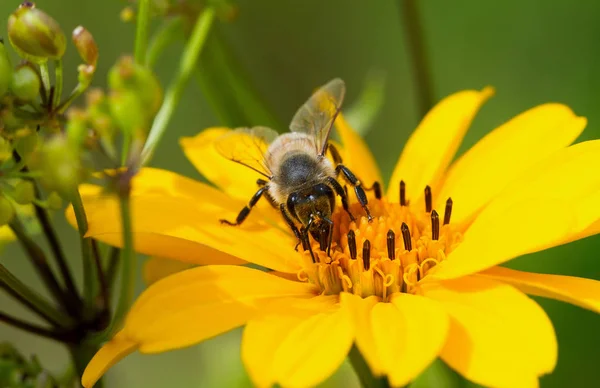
35	35
26	82
135	96
24	192
60	165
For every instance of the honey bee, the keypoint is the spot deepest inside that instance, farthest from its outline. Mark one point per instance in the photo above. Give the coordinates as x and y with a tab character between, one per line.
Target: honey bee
300	181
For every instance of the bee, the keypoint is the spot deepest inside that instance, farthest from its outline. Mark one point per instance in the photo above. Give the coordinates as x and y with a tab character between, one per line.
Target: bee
300	181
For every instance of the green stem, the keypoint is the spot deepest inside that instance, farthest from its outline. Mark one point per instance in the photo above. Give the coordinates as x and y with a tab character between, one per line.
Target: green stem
127	287
101	276
111	268
231	95
45	73
166	35
89	280
417	54
362	370
32	300
56	248
81	354
58	74
141	32
78	91
125	148
31	328
39	261
188	62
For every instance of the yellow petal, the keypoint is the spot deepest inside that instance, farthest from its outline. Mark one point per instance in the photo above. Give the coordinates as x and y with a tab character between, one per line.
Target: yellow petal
111	353
511	149
234	179
553	203
581	292
359	310
498	336
356	154
202	302
191	306
156	268
178	218
432	146
297	347
409	334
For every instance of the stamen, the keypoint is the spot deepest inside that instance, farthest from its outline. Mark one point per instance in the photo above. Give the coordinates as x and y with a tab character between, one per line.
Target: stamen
428	199
352	244
435	226
448	211
377	188
402	193
406	237
367	255
391	244
323	238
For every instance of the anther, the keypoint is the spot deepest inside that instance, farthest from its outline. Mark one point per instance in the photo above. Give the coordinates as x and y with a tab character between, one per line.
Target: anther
377	189
352	244
428	199
448	211
323	238
435	226
402	193
367	255
391	244
406	237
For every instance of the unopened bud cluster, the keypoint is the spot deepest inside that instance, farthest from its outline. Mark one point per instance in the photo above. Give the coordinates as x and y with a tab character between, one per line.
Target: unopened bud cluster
39	145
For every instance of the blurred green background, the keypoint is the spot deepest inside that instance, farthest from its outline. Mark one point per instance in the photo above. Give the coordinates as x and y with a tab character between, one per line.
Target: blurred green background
531	51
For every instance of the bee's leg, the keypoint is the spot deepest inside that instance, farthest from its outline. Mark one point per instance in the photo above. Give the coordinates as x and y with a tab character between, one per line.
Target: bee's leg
343	194
306	239
358	189
246	210
293	227
335	154
376	188
264	183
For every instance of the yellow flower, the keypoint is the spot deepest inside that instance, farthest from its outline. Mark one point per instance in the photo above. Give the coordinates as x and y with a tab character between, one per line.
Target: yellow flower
428	288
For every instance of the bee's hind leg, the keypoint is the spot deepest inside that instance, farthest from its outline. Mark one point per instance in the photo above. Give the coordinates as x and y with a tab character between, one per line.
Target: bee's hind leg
246	210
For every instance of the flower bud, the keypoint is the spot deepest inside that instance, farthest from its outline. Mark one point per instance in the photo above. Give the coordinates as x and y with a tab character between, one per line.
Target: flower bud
7	211
60	165
25	145
86	45
99	114
26	82
54	201
5	70
135	96
35	35
76	128
24	192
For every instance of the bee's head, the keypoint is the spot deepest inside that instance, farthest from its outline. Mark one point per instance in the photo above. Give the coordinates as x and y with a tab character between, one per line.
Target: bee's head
312	206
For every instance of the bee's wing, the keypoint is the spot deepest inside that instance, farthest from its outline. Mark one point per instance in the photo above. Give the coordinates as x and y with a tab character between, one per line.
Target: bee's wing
248	147
317	115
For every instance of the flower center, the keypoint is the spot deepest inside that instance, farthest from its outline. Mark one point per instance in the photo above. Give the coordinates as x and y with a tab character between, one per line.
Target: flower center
390	254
